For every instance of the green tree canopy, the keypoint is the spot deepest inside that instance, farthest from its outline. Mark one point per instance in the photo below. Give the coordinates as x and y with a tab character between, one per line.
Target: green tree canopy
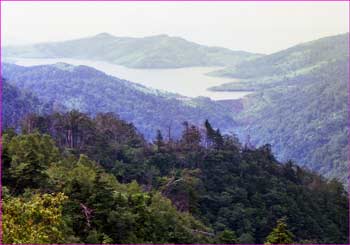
36	220
28	156
280	234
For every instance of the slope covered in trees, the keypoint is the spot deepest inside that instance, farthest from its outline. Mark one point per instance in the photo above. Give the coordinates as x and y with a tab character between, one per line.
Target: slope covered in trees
302	109
89	90
17	104
74	200
306	121
294	60
202	188
160	51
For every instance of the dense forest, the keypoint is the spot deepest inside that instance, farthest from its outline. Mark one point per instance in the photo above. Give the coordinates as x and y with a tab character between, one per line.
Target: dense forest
91	158
298	105
86	89
306	121
302	109
72	178
17	104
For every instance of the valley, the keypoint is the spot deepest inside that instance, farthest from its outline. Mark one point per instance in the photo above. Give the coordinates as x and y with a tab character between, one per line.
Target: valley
189	82
161	140
271	81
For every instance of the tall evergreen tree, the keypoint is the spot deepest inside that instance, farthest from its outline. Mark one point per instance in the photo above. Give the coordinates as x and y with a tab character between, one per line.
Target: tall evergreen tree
280	234
210	133
159	140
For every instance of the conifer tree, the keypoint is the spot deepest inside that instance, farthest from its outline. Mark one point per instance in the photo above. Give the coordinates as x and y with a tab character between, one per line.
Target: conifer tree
280	234
159	140
210	137
227	237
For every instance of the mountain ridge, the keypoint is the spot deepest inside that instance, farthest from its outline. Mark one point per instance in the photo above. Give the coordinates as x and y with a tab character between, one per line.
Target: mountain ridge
301	110
307	54
89	90
158	51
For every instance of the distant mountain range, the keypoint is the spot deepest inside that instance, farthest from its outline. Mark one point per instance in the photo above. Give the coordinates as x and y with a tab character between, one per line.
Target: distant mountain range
161	51
89	90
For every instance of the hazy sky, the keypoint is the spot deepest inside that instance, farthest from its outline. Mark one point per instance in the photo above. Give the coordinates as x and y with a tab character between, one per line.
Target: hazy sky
252	26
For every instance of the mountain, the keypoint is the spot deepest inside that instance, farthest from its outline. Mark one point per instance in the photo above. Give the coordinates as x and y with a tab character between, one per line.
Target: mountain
160	51
17	104
301	104
292	61
98	171
307	123
89	90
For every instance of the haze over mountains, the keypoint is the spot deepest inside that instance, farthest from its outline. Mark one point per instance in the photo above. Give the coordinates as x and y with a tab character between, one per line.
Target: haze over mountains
166	168
299	105
294	60
17	104
89	90
161	51
162	123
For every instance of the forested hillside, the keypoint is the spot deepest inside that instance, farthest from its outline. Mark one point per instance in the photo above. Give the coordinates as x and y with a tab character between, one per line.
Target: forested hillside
89	90
292	61
90	158
302	109
78	174
16	104
161	51
306	121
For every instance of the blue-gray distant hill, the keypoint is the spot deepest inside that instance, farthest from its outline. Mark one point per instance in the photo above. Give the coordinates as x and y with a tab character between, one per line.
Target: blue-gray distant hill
89	90
161	51
292	61
17	104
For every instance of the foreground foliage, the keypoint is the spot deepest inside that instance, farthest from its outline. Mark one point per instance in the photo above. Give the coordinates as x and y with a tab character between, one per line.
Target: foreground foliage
35	219
280	234
203	188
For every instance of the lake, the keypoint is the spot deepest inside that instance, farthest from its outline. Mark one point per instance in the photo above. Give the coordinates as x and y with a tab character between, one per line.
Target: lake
190	82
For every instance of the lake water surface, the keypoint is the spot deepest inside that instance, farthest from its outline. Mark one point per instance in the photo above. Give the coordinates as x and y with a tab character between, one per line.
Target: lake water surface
191	82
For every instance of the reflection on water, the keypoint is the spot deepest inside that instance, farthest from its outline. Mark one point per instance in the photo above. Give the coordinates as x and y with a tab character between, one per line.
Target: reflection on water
191	82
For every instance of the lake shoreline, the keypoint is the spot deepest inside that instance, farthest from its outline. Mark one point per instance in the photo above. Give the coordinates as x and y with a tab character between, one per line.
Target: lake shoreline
189	82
